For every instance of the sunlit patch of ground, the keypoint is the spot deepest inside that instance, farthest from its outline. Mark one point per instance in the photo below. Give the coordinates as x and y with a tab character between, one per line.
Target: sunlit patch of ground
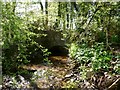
58	63
63	59
52	75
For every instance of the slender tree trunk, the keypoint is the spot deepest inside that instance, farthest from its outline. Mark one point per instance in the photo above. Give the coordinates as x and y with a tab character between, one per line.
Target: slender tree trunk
14	6
42	13
41	6
64	15
67	15
71	16
108	28
75	6
46	14
59	14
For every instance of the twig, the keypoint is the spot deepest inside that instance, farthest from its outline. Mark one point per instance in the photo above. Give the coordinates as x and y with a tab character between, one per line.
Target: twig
114	85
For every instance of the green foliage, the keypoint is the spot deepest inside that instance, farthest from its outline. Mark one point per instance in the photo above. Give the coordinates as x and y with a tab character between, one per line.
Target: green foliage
116	65
19	42
115	39
14	39
71	84
96	56
46	53
73	50
101	58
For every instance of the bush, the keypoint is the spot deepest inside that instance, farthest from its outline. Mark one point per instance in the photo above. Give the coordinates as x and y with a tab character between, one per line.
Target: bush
19	43
96	56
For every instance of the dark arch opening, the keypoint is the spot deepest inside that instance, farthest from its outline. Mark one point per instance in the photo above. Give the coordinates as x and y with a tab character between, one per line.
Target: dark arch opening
58	51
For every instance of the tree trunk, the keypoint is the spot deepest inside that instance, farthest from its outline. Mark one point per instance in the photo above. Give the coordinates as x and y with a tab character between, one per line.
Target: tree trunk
46	14
59	14
42	12
67	15
14	6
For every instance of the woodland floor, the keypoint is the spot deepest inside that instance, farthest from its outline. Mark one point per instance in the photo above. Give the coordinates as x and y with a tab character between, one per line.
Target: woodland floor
53	74
63	73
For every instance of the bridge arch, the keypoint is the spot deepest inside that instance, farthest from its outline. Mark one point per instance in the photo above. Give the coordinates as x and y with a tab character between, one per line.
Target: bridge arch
58	50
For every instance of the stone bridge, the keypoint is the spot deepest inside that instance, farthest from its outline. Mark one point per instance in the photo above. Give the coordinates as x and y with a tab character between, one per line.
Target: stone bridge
54	42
